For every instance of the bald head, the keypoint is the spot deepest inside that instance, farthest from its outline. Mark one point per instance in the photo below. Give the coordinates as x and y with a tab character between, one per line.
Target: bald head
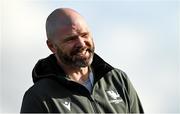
69	38
60	18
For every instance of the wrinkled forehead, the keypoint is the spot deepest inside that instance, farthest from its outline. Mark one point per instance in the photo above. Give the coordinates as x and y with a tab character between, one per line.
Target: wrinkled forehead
62	22
74	28
71	26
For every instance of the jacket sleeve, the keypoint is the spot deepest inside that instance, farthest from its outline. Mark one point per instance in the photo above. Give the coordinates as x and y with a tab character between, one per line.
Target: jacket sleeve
32	104
135	105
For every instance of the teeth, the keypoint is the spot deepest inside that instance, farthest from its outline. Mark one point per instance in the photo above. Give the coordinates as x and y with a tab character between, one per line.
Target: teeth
84	51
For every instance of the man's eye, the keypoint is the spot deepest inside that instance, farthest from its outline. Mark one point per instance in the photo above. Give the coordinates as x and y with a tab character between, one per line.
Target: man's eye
71	38
85	35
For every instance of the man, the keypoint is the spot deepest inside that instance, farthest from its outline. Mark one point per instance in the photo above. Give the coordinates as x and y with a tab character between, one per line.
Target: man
74	79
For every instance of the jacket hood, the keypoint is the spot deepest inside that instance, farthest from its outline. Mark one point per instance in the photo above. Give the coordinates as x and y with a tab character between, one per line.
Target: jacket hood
48	68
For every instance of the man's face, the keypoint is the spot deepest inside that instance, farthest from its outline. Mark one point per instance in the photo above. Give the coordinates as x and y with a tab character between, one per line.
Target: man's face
74	46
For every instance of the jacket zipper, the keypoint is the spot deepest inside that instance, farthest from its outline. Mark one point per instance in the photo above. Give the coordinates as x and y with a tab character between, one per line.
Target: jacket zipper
91	98
93	101
93	104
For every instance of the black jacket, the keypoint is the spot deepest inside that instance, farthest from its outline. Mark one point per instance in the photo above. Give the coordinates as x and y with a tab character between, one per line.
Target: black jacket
54	92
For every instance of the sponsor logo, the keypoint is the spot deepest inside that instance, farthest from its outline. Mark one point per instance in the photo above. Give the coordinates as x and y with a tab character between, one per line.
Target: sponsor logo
113	96
67	104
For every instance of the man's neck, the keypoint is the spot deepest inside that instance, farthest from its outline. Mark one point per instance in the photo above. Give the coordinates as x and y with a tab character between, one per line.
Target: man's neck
77	74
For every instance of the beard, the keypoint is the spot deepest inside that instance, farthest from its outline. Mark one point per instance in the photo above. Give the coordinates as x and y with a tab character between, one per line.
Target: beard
77	57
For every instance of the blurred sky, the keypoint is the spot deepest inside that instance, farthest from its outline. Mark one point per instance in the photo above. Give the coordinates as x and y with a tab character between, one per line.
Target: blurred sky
141	37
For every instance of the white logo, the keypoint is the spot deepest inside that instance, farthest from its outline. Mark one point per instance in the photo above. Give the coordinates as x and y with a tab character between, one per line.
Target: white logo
114	97
112	94
67	104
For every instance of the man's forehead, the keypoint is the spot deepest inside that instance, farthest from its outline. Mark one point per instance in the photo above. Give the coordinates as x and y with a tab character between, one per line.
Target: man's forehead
72	29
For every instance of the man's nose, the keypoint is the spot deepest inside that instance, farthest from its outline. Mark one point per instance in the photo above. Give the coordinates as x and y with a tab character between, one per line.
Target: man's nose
81	42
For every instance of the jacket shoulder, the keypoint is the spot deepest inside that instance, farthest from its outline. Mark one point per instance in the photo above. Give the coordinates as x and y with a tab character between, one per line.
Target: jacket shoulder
133	99
35	97
33	100
43	86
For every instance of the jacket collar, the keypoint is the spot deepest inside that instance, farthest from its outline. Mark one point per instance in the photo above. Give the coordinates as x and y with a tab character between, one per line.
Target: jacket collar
48	67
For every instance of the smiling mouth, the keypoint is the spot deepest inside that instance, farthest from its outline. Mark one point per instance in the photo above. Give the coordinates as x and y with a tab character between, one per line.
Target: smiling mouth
83	53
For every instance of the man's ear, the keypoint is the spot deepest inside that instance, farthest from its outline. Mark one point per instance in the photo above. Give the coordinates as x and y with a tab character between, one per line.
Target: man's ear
51	46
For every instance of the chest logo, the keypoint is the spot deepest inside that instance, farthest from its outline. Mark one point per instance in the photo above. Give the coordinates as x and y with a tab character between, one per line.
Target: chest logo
113	96
67	104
